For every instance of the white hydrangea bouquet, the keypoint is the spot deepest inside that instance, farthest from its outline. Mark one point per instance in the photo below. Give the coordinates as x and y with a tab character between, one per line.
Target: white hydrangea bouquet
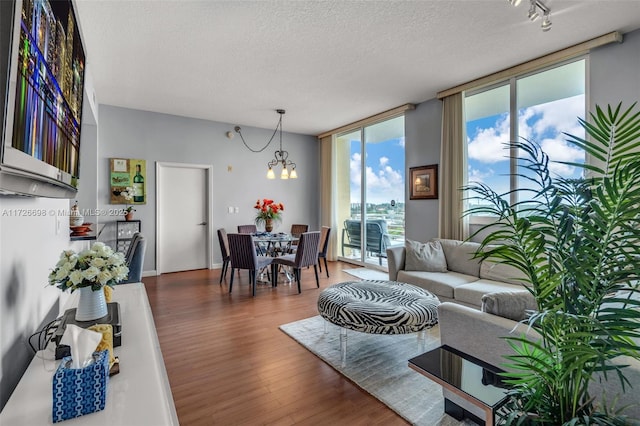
96	267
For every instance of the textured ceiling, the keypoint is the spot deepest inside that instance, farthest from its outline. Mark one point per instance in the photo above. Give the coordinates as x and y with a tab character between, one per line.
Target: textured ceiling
327	63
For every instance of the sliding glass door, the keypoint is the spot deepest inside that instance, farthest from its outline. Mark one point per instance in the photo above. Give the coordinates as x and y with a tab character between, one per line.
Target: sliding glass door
370	191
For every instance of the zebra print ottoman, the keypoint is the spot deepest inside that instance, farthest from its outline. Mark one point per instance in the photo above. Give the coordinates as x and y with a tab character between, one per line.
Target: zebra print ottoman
379	307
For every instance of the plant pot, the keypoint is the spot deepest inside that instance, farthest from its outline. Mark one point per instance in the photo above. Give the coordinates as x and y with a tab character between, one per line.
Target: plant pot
268	225
128	216
92	305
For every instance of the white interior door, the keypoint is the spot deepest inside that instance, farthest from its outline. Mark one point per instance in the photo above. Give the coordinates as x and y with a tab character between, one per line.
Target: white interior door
183	216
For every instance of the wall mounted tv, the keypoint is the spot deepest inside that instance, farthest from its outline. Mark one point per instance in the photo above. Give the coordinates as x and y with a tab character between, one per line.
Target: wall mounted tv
42	65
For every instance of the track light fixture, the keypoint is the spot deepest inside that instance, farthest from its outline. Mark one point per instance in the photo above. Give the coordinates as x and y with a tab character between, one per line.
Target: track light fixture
546	21
533	11
536	7
281	156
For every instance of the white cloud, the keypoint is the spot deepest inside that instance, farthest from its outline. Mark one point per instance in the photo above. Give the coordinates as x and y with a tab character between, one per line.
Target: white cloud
480	176
383	184
488	144
548	122
559	116
560	150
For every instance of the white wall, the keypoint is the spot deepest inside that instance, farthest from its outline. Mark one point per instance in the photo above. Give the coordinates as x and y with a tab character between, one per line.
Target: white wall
29	248
127	133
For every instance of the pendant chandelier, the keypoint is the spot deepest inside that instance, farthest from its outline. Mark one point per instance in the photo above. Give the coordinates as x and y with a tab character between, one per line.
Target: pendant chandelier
280	156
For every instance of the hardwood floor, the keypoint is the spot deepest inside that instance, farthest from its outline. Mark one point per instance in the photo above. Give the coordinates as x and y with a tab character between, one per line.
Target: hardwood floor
229	364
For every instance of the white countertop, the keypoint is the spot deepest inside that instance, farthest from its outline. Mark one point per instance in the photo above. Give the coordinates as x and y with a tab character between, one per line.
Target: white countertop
139	395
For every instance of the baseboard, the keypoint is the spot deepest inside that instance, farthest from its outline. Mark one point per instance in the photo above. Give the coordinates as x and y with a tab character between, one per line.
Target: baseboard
151	273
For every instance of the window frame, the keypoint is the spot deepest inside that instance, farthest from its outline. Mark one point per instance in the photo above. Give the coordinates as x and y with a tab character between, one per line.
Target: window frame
480	220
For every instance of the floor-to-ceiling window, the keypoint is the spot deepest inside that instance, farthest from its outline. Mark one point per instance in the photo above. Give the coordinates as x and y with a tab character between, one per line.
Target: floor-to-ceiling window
370	190
539	107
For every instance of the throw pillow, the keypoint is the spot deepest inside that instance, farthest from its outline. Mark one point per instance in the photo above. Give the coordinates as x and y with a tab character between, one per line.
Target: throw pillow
509	304
427	257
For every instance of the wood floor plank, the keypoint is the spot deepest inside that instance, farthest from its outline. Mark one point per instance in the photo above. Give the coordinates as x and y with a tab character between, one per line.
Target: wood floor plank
229	364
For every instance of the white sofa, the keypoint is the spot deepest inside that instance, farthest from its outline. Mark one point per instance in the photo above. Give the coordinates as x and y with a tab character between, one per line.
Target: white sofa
466	280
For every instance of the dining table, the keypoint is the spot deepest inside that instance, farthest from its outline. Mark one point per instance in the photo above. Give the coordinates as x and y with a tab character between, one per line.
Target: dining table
275	244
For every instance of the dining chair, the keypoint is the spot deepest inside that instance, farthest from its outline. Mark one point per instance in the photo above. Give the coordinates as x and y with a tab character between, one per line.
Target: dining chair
243	255
253	229
306	255
247	229
296	230
322	248
224	249
134	258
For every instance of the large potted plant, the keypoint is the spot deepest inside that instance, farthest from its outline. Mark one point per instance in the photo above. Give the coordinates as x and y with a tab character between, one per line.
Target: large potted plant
577	241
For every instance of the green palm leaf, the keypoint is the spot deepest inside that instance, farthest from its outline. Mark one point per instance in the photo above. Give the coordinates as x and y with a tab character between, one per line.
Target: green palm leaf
577	241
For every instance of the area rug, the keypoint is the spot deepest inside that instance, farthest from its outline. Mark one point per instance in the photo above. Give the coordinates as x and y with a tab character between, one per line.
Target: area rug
379	365
367	274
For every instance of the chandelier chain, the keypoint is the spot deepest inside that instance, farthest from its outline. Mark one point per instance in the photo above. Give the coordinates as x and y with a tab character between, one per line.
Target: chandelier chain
279	126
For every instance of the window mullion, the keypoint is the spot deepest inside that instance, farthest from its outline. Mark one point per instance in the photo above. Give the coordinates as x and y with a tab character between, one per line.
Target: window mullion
513	134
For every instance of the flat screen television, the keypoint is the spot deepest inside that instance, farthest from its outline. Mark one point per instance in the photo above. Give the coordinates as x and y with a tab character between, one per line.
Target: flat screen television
42	65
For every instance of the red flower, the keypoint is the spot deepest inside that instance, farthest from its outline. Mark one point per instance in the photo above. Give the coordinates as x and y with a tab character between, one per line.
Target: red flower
268	209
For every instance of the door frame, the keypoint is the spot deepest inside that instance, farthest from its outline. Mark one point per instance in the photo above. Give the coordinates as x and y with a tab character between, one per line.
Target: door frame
208	169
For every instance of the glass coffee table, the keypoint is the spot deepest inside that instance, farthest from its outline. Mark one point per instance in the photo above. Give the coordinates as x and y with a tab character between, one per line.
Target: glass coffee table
469	378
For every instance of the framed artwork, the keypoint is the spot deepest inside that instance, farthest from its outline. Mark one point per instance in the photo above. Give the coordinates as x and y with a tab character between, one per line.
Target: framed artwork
128	173
424	182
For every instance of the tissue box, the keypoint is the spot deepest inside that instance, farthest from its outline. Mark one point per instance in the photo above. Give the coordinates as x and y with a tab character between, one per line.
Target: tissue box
80	391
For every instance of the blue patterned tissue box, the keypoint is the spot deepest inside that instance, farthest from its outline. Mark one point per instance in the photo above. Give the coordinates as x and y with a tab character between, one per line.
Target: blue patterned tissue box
80	391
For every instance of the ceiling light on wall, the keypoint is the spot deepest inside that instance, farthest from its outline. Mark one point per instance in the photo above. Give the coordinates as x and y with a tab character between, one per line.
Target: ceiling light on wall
281	156
536	7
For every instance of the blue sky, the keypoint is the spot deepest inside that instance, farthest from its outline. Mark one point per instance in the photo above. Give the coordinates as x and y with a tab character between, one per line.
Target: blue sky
542	123
385	171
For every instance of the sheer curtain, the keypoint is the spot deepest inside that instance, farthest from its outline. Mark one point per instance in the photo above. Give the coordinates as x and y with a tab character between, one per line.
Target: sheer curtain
453	170
327	183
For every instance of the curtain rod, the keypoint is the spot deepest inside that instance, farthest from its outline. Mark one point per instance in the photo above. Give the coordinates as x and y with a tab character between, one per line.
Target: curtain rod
370	120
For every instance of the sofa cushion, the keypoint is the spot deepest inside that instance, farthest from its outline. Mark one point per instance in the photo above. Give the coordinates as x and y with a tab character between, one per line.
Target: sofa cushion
438	283
472	293
495	271
509	304
459	256
427	257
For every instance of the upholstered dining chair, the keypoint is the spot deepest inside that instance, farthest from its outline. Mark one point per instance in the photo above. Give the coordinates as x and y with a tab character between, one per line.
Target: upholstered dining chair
322	248
224	249
252	229
296	230
247	229
135	258
305	255
243	255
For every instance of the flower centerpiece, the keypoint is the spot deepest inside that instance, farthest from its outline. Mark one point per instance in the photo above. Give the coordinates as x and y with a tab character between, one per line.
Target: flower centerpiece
127	194
89	271
268	212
